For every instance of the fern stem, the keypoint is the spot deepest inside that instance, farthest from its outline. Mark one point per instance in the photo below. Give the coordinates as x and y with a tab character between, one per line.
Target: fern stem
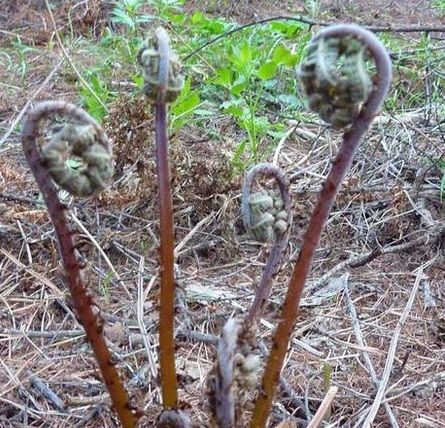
87	312
343	161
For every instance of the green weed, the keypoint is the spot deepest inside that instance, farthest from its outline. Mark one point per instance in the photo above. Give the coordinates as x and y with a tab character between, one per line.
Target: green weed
15	57
439	5
247	77
91	103
129	14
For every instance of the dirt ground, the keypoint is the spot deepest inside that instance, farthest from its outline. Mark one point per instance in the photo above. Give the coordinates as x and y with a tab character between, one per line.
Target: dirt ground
375	302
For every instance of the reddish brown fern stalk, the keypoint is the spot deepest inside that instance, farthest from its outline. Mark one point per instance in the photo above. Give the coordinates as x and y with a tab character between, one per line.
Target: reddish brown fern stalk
339	100
163	83
86	139
167	310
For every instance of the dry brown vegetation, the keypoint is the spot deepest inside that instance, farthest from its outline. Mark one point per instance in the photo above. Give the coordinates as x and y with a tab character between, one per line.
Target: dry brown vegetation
383	244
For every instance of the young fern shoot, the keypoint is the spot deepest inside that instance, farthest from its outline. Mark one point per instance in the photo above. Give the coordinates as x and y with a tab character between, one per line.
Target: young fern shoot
336	81
84	138
163	83
267	216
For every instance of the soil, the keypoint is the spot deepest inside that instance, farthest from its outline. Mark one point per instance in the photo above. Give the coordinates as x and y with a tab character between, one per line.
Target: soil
384	241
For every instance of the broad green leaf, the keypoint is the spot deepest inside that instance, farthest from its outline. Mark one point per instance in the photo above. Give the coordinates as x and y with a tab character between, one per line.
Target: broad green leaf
242	56
186	105
224	77
288	29
238	85
233	108
267	70
282	55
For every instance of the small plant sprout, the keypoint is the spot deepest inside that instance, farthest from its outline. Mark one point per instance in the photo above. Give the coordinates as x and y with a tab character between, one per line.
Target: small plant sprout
162	84
84	138
267	216
335	79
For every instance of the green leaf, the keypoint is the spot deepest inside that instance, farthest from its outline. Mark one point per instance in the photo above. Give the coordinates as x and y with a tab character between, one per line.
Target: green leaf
186	104
121	17
233	107
246	53
282	55
224	77
203	24
239	152
239	85
197	18
288	29
242	57
137	79
267	70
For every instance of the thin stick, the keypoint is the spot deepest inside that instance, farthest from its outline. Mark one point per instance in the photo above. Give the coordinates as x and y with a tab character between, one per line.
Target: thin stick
311	23
30	100
140	318
323	408
355	262
70	61
392	351
102	253
361	342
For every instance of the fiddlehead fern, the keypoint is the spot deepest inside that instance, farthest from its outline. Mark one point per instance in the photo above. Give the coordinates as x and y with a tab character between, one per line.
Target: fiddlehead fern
335	78
163	83
149	58
342	110
82	141
85	138
236	372
268	216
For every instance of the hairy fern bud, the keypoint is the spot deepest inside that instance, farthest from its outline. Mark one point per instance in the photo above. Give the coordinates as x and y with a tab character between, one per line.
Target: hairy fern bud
96	166
335	78
149	59
268	218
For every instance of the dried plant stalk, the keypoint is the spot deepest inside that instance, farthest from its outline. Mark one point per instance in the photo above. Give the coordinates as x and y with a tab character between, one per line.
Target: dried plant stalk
88	141
324	83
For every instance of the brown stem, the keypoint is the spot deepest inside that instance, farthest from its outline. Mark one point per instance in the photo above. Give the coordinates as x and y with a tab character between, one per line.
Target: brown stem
82	299
280	241
167	309
344	158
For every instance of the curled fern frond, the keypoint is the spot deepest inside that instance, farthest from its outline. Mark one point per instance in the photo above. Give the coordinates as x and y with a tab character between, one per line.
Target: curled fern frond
335	78
86	139
174	418
266	213
149	59
338	85
83	141
236	372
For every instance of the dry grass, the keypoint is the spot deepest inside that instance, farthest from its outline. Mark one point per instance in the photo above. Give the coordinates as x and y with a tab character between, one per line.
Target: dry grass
391	197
